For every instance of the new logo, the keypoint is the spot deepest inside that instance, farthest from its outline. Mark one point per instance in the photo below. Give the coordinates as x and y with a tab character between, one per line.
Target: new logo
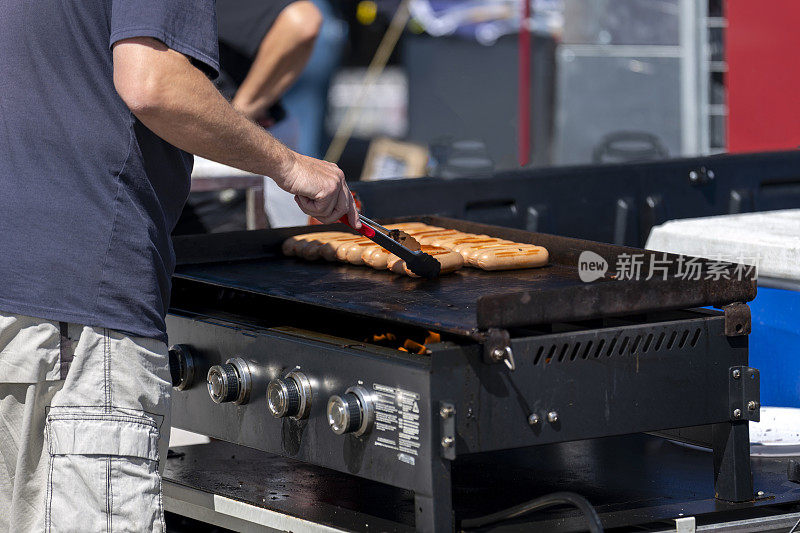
591	266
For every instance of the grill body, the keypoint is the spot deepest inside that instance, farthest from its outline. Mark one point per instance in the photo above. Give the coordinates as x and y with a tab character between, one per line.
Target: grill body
669	372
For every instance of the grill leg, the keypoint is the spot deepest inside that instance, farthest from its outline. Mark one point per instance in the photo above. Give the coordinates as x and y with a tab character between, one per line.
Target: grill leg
434	510
733	479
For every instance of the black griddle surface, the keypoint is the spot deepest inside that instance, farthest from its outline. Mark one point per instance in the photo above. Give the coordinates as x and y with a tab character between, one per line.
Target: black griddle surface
465	302
448	303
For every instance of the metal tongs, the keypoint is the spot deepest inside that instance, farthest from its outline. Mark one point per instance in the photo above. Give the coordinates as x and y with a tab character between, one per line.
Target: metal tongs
400	244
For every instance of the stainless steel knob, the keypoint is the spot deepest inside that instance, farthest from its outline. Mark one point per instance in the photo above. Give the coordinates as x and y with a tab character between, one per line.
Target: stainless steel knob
182	366
352	412
290	396
229	382
344	413
283	398
223	383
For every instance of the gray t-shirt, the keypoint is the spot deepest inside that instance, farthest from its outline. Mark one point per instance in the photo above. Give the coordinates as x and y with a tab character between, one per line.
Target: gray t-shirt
89	195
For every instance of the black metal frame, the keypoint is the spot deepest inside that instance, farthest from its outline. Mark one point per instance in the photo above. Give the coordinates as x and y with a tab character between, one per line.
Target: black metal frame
656	374
639	482
616	203
577	375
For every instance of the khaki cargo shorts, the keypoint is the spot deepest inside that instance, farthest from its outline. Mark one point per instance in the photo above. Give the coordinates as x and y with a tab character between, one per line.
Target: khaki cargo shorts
84	428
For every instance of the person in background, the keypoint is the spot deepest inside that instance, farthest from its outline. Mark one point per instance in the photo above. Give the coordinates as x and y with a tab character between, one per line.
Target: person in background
307	99
264	46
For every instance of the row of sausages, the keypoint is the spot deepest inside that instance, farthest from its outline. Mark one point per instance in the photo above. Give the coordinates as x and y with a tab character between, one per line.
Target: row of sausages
453	249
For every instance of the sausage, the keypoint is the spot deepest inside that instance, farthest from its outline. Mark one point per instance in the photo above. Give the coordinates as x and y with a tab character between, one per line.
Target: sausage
471	252
451	248
356	250
409	226
425	237
395	264
317	246
512	257
377	258
450	261
471	255
471	244
287	248
468	248
310	248
289	245
342	251
328	249
420	229
474	240
445	241
417	231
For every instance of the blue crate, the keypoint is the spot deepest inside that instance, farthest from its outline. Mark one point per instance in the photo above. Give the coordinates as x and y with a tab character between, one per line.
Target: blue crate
775	345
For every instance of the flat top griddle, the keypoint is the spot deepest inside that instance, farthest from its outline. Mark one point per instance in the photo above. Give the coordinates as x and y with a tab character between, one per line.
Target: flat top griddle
467	302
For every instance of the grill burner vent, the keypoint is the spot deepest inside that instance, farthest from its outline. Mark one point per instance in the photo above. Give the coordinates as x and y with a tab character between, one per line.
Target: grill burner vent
618	345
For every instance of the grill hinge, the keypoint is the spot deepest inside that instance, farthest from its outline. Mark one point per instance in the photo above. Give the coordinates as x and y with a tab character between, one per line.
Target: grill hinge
737	319
497	348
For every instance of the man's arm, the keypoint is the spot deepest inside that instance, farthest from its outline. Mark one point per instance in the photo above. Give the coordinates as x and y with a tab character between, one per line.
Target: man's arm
179	104
280	59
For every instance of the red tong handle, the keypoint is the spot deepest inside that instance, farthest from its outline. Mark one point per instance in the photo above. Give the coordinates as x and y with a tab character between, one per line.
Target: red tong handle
364	230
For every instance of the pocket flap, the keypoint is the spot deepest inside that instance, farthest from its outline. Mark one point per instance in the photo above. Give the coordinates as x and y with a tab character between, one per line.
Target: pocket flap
102	434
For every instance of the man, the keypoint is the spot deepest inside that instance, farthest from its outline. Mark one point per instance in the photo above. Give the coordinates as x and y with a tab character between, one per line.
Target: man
99	99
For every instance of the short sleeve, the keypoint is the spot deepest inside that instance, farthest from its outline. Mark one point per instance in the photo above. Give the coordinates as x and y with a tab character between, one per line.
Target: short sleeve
186	26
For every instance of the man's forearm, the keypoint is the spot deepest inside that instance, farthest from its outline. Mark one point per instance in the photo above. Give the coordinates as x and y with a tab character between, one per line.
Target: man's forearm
184	108
271	74
178	103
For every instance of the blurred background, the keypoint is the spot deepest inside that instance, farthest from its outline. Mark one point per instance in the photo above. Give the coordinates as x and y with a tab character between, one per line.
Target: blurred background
464	88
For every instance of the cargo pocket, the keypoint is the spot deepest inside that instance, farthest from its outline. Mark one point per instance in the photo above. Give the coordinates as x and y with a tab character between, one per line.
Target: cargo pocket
103	471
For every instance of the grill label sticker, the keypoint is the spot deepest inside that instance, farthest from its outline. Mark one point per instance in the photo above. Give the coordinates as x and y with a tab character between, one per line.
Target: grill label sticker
397	421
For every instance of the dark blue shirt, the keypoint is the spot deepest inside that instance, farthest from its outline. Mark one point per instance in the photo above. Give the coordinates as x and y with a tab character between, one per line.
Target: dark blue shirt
88	195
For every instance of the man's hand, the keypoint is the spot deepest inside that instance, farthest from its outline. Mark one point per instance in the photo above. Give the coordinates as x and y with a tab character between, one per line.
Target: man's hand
321	190
179	104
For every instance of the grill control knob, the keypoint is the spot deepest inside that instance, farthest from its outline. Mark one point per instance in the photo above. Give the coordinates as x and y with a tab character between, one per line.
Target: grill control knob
352	412
290	396
283	397
229	382
223	383
344	413
182	366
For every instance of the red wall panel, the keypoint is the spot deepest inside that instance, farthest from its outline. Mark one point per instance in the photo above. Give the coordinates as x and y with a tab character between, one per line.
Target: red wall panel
763	81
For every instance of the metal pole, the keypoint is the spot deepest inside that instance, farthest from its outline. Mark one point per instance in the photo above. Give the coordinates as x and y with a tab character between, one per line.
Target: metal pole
689	50
524	86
